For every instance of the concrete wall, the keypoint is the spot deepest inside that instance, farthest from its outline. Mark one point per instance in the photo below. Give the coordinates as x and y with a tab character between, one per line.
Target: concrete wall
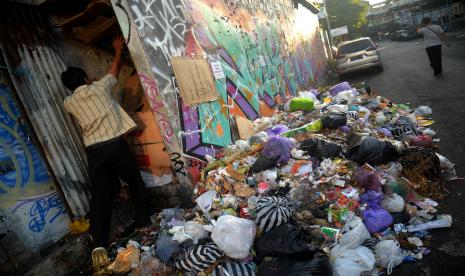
267	49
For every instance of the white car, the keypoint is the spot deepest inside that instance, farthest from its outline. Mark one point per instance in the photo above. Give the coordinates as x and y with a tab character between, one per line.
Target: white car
357	55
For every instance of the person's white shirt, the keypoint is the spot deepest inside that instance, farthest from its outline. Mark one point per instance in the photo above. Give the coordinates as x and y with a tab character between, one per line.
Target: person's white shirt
432	35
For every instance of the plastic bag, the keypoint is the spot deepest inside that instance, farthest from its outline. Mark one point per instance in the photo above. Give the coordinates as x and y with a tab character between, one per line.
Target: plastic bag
234	236
375	217
338	88
372	151
423	141
334	120
388	254
233	269
286	239
276	130
299	104
354	233
320	148
166	248
352	262
423	111
443	221
369	181
199	257
278	147
263	163
393	203
258	138
272	212
297	265
126	260
205	201
149	265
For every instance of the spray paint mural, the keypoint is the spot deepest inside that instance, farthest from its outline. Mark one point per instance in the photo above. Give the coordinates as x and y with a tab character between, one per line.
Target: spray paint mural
29	205
268	51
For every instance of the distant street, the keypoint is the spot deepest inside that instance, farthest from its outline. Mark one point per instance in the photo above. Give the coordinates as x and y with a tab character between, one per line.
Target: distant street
407	77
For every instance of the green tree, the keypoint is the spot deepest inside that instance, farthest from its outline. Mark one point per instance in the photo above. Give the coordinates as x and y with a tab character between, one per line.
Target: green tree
350	13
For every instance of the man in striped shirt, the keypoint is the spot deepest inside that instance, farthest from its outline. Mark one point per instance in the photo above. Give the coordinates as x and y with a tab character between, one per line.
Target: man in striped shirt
103	124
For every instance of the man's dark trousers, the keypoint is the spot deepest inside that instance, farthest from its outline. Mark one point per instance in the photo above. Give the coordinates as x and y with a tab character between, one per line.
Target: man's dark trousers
107	162
435	59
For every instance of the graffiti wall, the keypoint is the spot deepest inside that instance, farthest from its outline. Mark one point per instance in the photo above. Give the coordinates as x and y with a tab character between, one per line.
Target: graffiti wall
268	50
29	205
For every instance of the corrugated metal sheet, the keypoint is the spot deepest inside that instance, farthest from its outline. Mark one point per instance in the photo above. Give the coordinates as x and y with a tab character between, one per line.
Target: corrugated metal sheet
31	50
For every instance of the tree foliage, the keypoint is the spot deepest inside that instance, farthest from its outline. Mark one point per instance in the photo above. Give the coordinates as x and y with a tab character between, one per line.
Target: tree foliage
350	13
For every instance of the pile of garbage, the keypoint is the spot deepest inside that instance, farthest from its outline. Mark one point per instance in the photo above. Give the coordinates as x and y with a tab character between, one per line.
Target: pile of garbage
338	182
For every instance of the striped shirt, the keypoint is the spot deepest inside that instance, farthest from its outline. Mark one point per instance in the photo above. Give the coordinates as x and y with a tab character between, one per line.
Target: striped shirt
100	116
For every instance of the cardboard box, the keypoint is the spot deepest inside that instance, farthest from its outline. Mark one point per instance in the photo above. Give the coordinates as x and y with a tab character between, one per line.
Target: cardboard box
152	158
147	131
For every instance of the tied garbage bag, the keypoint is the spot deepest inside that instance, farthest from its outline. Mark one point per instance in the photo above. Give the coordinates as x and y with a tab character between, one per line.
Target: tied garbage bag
299	104
297	265
166	248
371	150
354	233
375	217
287	239
423	111
233	269
272	212
263	163
199	257
393	203
388	254
368	180
234	236
338	88
352	262
278	147
334	120
320	148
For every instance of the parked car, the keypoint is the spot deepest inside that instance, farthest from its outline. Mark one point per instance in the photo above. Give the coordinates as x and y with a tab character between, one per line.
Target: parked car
405	35
357	55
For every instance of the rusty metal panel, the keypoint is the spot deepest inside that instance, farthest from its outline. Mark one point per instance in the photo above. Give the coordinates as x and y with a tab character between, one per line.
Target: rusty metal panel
35	63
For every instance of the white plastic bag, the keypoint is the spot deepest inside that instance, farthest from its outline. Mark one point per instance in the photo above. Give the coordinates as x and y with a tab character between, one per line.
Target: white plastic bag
234	236
354	233
388	254
393	203
194	230
423	111
205	200
352	262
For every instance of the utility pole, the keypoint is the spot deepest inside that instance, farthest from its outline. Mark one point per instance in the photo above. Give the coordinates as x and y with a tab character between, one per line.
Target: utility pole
328	26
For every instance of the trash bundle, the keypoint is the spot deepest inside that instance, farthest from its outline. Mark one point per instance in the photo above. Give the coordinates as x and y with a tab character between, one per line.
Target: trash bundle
343	182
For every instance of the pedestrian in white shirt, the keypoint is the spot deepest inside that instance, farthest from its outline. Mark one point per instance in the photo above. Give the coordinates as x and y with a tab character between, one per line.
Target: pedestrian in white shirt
434	36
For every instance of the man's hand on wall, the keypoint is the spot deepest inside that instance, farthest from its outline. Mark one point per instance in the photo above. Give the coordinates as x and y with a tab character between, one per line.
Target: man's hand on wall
118	43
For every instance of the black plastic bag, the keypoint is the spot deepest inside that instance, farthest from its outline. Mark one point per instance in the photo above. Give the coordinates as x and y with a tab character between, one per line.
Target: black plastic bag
373	151
320	148
283	240
334	120
297	265
263	163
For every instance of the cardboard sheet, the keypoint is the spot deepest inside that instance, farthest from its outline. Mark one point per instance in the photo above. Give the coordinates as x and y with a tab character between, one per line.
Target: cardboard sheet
195	80
245	127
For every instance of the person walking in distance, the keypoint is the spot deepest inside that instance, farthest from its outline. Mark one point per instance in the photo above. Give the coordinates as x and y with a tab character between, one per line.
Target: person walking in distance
104	123
434	36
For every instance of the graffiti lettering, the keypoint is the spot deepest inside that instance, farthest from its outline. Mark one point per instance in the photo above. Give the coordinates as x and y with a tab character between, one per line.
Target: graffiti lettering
165	18
150	86
178	163
41	208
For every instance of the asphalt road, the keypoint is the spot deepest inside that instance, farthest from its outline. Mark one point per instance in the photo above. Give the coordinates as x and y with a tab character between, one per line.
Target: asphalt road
408	78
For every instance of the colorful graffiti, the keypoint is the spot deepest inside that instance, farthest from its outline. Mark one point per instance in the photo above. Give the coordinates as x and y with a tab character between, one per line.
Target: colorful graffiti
27	198
268	51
